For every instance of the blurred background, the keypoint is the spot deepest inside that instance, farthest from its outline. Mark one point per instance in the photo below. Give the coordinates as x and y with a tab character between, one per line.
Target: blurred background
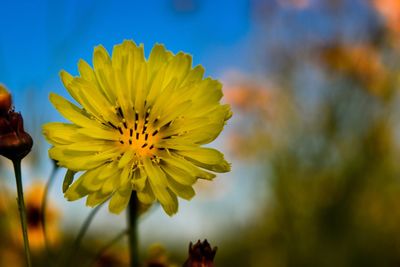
314	140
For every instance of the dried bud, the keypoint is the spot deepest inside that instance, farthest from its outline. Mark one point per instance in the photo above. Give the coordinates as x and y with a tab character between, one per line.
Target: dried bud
15	143
5	100
200	255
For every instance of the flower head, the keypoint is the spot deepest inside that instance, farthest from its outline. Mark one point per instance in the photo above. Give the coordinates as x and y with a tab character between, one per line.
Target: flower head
200	255
33	198
5	100
15	143
139	125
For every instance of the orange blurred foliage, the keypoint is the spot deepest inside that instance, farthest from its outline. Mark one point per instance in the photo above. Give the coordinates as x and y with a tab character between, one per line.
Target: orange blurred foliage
362	63
390	11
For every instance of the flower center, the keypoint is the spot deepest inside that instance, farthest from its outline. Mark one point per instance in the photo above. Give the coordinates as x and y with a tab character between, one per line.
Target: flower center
142	137
33	215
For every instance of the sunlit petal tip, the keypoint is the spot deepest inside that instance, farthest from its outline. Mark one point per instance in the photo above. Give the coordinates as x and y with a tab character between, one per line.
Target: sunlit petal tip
66	78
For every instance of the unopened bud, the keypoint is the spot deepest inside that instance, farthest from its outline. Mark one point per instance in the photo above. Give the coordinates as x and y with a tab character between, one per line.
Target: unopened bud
200	255
5	100
15	143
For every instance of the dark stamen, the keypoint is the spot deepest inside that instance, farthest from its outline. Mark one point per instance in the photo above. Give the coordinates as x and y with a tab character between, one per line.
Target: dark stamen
136	116
146	136
144	129
137	136
130	141
112	125
126	126
122	142
120	130
155	132
130	132
120	112
145	144
151	147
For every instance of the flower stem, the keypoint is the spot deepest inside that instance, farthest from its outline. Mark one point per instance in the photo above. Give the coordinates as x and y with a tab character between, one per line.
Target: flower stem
78	240
132	230
21	208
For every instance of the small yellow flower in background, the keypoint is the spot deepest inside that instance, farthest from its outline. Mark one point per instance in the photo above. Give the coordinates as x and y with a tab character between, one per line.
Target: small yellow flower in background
33	200
139	126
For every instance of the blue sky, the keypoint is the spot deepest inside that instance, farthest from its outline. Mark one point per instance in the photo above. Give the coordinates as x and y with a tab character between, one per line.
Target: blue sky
39	38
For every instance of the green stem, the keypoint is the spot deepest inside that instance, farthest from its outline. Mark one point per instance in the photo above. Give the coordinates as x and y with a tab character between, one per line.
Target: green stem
78	240
44	207
22	210
132	230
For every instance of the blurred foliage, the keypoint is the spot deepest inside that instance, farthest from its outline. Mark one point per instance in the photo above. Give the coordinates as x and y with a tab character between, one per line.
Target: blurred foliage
332	152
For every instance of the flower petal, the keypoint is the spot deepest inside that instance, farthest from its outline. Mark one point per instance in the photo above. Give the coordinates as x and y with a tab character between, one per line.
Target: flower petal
155	174
167	199
120	200
208	158
183	191
179	175
96	198
146	196
72	112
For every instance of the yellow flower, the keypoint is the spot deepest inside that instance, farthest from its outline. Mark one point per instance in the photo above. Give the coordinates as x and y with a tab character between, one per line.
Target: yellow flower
33	200
139	125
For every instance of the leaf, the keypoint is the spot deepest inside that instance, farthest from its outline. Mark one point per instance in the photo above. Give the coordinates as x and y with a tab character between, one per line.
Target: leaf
68	179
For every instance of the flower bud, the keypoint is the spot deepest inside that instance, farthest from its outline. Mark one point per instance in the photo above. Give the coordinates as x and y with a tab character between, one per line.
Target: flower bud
200	255
5	100
15	143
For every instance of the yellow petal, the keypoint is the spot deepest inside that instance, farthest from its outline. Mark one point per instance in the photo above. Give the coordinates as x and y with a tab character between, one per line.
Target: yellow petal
155	174
67	79
178	67
86	71
72	112
104	72
76	191
183	191
158	57
91	181
179	175
167	199
119	201
195	75
187	166
96	198
94	101
146	196
126	158
58	133
139	179
80	161
207	158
